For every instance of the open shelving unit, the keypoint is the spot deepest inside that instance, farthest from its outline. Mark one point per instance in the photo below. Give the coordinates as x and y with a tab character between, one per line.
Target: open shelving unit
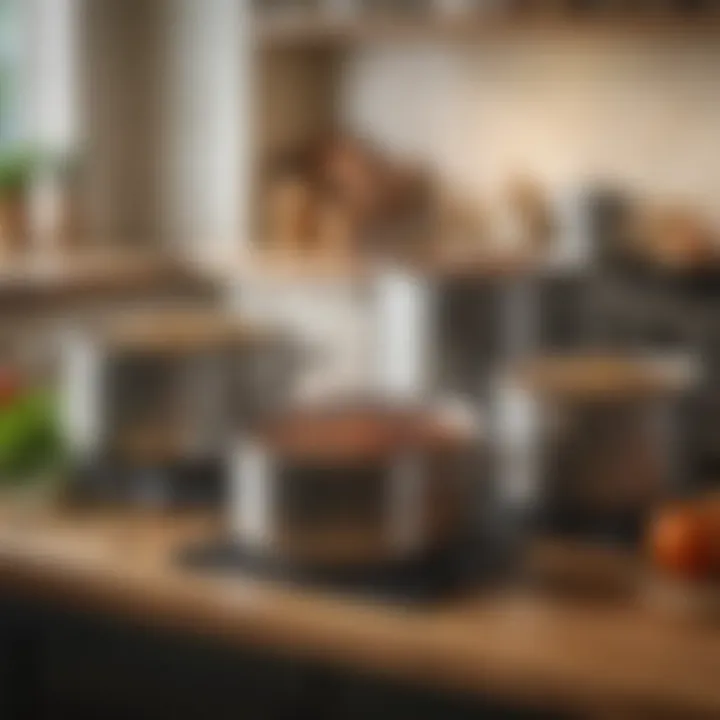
276	30
299	58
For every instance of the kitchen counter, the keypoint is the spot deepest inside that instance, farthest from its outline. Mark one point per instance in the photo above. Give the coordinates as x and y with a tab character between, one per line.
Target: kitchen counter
599	658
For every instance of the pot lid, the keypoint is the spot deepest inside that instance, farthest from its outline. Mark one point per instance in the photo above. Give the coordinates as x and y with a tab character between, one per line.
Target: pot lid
360	433
604	377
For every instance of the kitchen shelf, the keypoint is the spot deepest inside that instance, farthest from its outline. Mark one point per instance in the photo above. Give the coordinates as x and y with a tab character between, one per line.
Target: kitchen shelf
302	80
321	30
94	275
318	267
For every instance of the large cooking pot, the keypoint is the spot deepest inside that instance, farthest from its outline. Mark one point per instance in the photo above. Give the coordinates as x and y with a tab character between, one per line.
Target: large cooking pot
588	444
353	485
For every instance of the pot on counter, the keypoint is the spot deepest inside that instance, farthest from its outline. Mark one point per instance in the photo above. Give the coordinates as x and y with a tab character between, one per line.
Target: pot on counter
150	399
353	485
587	445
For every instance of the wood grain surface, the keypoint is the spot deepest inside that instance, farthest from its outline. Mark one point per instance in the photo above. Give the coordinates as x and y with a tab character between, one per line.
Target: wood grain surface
92	274
607	656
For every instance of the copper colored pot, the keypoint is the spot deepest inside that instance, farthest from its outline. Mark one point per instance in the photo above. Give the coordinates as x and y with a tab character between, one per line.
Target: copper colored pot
352	485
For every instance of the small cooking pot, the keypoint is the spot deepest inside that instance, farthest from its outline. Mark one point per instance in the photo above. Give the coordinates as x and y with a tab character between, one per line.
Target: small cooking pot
352	485
151	398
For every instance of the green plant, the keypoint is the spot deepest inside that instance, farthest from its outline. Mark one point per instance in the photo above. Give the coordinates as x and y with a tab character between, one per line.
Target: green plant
30	439
17	168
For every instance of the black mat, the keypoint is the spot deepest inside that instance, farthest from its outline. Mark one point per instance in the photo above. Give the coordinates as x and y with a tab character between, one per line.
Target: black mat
440	574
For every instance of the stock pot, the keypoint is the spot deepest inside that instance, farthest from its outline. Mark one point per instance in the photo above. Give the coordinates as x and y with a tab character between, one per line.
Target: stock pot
351	485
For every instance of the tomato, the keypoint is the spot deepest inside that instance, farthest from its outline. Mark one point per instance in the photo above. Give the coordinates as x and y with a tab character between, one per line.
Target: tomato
10	386
681	543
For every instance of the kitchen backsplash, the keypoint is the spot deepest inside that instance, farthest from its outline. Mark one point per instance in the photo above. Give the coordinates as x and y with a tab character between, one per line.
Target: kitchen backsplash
564	108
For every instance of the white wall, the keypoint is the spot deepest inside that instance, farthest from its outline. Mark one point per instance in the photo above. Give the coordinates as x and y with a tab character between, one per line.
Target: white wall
53	113
646	112
206	143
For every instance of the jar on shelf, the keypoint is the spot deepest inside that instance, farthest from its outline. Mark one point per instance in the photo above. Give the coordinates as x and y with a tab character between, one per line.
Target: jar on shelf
341	9
406	8
462	8
286	7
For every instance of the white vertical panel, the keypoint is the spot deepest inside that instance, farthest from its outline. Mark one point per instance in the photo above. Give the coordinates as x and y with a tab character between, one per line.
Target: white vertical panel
52	51
82	393
519	422
207	118
252	492
403	319
51	99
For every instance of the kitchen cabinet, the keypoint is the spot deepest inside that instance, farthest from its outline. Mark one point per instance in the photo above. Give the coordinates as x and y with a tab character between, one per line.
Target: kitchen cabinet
58	664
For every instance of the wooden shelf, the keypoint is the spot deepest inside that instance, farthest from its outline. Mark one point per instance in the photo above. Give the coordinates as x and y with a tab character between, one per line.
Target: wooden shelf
94	275
319	267
278	31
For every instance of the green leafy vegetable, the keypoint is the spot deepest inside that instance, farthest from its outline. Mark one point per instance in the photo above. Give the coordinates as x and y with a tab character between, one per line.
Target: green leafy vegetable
18	166
30	438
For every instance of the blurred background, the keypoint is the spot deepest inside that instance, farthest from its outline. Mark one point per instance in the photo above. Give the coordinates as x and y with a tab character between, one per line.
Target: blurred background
390	290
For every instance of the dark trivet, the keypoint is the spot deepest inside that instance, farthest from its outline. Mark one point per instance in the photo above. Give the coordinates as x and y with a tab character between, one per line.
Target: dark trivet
181	484
434	576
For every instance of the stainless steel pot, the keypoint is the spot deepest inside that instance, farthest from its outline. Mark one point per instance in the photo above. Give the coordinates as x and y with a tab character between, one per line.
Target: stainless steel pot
352	485
162	386
587	445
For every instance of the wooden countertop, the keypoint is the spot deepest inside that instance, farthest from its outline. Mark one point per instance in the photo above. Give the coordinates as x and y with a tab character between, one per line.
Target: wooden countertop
602	656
